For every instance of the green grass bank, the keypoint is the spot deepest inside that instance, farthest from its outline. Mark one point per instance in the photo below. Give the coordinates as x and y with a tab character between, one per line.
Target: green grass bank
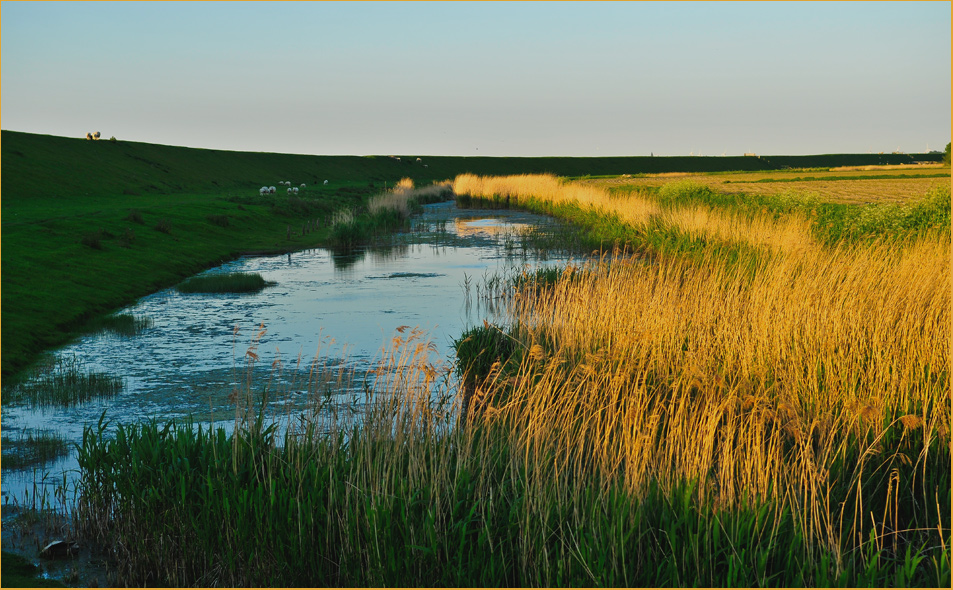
88	227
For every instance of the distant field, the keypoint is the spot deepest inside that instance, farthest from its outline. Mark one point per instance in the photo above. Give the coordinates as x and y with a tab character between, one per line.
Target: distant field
870	184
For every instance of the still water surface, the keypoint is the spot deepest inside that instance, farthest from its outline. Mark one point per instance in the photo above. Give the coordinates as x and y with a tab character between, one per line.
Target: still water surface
340	309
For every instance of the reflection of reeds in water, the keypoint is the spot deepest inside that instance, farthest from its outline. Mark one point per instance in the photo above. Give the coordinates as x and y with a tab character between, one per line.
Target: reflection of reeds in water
32	448
385	213
404	197
472	226
324	393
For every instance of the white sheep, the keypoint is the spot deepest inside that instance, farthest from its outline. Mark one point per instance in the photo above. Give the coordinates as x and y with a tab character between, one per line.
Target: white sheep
96	135
271	189
295	189
419	160
325	182
303	185
263	190
289	191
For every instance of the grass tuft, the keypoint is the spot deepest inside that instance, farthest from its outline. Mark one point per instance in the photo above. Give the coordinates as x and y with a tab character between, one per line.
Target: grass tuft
93	240
66	383
164	226
234	282
33	448
219	220
135	216
123	324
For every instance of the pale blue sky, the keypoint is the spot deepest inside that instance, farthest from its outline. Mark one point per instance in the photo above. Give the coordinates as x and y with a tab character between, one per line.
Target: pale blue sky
484	78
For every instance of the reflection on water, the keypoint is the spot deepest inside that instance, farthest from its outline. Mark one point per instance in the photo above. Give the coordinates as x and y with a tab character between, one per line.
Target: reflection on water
327	311
486	225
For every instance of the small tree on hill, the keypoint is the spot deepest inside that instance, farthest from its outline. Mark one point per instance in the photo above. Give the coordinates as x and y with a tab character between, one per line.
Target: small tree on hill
946	154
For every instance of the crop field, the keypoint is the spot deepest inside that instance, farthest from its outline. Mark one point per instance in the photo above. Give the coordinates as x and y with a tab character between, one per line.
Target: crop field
870	184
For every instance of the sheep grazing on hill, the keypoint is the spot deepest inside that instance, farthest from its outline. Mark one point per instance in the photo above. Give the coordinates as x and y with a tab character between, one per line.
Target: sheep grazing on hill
96	135
295	189
89	136
289	191
419	160
303	185
325	182
263	190
271	190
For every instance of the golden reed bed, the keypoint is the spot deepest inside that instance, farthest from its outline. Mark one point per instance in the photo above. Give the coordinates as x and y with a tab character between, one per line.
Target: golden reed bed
825	371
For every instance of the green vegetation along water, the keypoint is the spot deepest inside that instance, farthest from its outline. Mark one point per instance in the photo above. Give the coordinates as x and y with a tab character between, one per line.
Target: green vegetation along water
405	495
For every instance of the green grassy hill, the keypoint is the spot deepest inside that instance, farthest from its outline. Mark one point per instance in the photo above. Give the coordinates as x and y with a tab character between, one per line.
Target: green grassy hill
89	226
45	165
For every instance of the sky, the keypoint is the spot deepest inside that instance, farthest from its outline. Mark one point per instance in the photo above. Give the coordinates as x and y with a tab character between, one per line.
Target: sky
484	78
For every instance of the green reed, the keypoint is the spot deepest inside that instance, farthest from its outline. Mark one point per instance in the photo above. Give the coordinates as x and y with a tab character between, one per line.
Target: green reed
232	282
183	505
411	495
66	383
124	324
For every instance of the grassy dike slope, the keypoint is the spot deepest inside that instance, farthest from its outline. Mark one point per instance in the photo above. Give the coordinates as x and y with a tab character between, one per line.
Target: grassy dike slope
73	245
74	248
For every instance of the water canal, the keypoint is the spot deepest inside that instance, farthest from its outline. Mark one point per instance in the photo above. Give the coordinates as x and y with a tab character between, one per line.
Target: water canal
327	309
